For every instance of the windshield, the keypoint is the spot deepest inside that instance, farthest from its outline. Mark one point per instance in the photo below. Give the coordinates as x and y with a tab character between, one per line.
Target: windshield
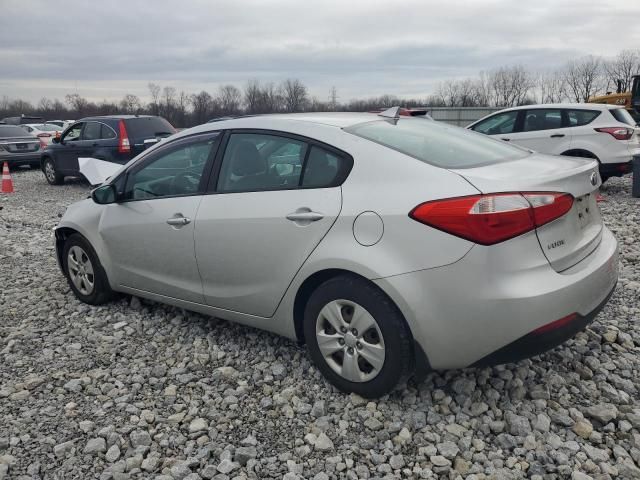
7	131
436	143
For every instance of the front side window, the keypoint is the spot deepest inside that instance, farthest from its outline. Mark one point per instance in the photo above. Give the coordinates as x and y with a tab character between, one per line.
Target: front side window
73	133
174	172
255	161
500	123
542	119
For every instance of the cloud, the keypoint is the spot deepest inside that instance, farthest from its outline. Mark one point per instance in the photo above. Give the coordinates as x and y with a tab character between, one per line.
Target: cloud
105	49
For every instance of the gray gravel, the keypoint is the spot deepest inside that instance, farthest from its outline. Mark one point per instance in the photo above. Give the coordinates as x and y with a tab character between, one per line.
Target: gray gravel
141	390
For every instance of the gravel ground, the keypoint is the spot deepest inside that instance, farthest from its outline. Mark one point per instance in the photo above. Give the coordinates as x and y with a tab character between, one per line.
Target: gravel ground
142	390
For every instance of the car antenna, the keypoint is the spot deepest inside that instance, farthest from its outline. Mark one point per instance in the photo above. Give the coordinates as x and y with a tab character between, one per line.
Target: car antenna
393	113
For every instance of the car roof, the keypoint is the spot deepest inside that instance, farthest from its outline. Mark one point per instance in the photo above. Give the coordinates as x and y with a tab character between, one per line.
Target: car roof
114	117
334	119
575	106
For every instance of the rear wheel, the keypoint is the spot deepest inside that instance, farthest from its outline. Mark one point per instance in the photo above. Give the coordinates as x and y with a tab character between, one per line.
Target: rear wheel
357	337
50	172
84	272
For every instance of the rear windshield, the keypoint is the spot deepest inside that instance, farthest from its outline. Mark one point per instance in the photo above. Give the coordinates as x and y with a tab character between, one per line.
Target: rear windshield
7	131
621	115
149	127
436	143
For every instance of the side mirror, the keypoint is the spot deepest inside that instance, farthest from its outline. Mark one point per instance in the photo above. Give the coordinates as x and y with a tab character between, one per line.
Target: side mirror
104	194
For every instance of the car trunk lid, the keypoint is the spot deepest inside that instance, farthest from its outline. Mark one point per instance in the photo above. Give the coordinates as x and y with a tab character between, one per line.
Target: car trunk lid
570	238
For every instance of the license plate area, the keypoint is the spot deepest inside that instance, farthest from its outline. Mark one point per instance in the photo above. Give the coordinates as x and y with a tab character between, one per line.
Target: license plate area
22	146
584	210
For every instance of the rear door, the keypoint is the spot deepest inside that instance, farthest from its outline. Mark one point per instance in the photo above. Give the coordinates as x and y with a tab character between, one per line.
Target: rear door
544	130
274	199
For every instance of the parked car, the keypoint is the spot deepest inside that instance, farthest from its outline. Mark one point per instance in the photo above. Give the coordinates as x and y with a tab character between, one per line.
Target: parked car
605	133
22	119
18	147
115	138
388	245
61	124
43	131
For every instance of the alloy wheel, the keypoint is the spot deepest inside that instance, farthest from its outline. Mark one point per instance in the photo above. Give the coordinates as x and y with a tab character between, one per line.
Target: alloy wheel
49	171
81	270
350	340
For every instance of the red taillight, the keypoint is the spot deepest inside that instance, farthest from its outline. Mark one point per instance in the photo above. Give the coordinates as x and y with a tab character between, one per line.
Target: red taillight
43	135
549	327
123	143
494	218
619	133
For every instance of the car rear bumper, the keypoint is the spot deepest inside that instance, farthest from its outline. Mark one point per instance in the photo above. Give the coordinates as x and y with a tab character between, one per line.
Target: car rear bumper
15	159
462	313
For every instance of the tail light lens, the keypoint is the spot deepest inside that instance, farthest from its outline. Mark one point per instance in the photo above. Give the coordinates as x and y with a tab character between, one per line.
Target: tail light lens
123	143
619	133
494	218
43	135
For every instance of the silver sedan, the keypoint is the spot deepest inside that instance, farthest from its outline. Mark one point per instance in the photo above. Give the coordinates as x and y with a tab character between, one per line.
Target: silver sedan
389	245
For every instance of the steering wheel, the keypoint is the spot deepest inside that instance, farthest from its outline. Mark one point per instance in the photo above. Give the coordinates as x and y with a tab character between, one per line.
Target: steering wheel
185	182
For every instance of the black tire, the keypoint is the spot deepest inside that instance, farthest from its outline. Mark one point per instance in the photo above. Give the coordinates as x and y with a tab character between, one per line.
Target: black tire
50	173
397	339
101	291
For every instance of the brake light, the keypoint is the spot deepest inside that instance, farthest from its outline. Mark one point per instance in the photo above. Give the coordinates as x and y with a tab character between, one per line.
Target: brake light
43	135
123	144
619	133
493	218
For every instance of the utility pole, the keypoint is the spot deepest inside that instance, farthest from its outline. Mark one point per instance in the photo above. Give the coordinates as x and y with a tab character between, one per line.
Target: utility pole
333	98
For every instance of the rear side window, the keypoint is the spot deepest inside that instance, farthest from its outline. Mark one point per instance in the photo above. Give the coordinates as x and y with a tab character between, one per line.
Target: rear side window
148	127
436	143
621	115
91	131
106	132
542	119
322	168
577	118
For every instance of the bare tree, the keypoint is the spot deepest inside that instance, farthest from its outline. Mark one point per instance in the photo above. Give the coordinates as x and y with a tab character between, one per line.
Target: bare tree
154	90
624	66
77	103
584	78
201	105
130	104
230	99
252	96
510	86
552	87
294	94
44	105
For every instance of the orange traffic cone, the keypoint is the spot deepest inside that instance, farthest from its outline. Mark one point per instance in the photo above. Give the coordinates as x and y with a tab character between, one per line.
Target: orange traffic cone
7	183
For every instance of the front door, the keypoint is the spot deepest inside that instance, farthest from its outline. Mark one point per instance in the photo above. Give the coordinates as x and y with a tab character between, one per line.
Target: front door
71	147
149	233
275	199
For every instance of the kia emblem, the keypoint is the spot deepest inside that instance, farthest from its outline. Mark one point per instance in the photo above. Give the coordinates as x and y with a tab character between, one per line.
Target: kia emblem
593	179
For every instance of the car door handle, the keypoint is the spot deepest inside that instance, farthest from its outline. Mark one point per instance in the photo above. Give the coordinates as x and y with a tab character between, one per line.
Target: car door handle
506	139
305	216
178	221
557	135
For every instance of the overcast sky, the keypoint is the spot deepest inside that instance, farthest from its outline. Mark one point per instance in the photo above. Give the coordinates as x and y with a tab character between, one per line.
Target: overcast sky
105	49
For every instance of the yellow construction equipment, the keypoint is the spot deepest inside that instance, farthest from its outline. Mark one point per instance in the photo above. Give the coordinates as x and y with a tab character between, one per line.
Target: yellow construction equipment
629	100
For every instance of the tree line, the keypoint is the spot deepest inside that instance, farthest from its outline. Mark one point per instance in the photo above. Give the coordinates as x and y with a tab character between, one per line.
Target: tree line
501	87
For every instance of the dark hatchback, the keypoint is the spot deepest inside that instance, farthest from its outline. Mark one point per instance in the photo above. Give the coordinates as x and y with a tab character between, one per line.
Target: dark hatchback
114	138
18	147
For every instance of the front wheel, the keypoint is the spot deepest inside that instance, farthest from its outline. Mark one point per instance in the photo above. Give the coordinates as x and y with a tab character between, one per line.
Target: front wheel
84	272
50	172
357	337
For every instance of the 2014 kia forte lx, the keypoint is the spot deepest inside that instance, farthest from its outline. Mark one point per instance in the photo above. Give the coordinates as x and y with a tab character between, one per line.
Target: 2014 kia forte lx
388	245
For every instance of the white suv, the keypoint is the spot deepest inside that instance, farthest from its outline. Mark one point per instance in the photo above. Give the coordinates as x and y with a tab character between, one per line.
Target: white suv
607	133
